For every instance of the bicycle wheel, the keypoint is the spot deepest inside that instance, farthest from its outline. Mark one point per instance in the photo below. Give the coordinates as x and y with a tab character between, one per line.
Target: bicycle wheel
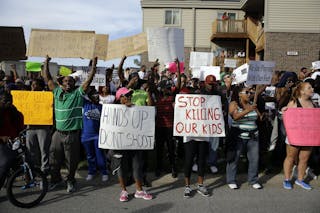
24	192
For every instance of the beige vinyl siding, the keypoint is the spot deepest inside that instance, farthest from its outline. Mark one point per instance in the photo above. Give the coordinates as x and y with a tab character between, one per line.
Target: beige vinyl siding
187	25
292	16
152	18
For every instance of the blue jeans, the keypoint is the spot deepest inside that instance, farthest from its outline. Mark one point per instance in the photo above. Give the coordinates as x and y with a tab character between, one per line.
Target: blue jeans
213	153
95	157
252	148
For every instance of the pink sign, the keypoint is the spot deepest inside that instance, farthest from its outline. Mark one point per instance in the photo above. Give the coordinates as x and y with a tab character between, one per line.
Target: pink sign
173	67
302	126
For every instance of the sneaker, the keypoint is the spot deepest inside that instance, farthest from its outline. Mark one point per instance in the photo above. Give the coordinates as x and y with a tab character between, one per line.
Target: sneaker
143	194
233	186
187	192
89	177
203	190
309	173
303	184
257	186
104	178
28	186
71	187
287	184
195	168
213	169
124	196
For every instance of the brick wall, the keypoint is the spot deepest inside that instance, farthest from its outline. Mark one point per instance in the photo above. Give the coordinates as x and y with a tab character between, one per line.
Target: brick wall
306	44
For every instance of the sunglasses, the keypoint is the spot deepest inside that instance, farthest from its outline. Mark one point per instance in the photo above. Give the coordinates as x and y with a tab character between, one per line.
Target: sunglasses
247	92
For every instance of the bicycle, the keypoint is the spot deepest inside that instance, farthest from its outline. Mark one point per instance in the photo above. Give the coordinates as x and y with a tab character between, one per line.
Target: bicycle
26	186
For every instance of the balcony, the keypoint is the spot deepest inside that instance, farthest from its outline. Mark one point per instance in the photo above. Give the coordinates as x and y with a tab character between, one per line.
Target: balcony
229	29
239	29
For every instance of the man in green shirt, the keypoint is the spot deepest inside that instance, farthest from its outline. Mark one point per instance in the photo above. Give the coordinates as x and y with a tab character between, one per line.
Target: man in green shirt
65	144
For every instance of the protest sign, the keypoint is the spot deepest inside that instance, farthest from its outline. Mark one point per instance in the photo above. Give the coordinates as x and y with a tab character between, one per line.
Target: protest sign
210	70
12	44
316	65
302	126
36	106
101	46
33	66
260	72
127	128
198	115
240	74
81	76
62	43
230	63
198	59
64	71
132	45
165	44
172	67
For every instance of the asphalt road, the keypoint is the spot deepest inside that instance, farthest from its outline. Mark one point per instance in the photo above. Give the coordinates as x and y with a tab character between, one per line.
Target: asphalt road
95	196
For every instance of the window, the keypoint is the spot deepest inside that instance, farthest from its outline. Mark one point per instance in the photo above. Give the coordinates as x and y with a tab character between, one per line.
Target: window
172	17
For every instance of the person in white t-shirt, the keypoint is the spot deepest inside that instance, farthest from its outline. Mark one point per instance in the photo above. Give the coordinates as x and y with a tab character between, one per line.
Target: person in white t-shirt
142	72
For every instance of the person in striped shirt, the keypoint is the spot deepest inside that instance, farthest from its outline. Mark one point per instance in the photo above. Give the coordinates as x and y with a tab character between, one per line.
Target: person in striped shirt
243	136
65	144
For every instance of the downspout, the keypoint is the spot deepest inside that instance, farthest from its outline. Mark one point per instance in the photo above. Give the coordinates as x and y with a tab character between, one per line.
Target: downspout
194	29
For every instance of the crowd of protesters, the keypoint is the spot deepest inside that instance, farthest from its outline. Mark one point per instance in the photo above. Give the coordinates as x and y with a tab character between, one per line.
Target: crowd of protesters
252	114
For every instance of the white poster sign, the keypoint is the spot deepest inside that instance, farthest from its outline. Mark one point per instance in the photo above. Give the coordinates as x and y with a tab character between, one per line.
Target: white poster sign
198	59
316	65
198	116
230	63
210	70
240	74
260	72
165	44
127	128
81	76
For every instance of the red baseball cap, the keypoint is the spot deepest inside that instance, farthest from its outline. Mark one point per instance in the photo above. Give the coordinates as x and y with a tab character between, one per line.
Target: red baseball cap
210	79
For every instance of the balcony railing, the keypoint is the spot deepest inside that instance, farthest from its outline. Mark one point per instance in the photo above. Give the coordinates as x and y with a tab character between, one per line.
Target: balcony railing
229	26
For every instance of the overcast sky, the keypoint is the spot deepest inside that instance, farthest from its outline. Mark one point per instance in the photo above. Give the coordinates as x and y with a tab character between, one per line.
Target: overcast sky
118	18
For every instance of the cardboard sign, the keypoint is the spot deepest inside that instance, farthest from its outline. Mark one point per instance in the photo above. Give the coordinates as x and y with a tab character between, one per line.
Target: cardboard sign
12	44
127	128
101	46
132	45
198	116
240	74
36	106
165	44
302	126
260	72
62	43
230	63
198	59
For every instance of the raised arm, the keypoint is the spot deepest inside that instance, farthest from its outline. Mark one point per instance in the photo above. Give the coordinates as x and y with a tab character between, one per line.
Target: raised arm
109	72
120	69
14	71
178	74
87	83
45	72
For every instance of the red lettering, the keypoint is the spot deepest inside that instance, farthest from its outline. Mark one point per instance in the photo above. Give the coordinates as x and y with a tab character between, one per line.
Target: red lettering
179	128
194	126
217	114
188	111
181	100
